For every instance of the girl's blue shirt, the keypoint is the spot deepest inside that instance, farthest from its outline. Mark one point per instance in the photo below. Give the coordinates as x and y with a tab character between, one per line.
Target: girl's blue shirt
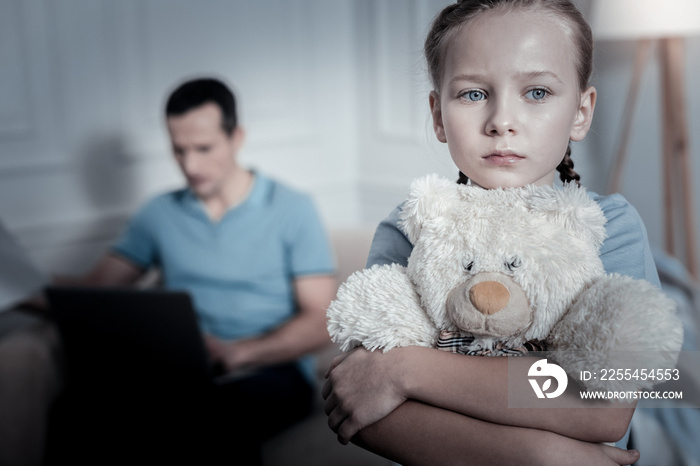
625	251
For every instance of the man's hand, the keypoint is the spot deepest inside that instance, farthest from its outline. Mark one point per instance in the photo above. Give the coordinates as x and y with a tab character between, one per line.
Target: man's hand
234	355
302	334
360	390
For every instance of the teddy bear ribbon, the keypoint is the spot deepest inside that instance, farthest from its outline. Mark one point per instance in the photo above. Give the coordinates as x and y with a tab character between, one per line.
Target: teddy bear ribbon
457	342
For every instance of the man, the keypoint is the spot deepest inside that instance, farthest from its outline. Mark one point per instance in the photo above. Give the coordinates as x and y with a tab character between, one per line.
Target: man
258	246
256	260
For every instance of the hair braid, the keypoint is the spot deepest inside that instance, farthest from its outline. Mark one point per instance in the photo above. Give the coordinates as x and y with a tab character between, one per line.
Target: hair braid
566	169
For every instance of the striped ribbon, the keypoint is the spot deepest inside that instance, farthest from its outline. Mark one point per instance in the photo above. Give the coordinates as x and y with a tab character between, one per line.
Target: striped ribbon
457	342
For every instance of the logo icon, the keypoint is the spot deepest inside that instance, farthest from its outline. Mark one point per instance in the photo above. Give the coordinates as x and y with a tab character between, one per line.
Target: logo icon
541	369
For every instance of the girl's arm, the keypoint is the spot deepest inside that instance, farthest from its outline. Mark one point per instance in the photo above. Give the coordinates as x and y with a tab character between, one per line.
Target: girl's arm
363	387
419	434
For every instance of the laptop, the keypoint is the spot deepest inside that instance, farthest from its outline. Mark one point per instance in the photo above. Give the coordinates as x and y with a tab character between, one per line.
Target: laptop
126	335
145	333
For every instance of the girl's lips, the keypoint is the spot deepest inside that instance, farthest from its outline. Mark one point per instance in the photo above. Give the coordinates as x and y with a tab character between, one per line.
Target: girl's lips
503	158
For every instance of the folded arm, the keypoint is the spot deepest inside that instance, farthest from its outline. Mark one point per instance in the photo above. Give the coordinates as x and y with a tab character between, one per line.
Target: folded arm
420	434
363	387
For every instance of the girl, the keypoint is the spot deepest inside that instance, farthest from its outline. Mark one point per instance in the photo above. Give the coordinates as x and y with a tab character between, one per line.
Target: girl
510	92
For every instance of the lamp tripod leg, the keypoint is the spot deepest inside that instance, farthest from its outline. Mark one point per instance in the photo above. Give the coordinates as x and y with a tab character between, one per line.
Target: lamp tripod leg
677	179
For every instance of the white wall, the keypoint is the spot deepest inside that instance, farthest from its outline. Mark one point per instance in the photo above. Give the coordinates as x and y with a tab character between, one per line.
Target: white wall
397	142
82	87
333	94
642	179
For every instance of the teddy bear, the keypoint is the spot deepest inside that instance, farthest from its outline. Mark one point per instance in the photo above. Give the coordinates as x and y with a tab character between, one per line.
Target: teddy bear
506	272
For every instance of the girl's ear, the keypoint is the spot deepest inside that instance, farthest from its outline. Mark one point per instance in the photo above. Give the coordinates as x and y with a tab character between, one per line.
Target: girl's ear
436	111
584	115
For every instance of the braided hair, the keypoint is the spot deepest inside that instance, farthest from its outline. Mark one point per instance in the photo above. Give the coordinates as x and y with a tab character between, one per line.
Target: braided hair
567	174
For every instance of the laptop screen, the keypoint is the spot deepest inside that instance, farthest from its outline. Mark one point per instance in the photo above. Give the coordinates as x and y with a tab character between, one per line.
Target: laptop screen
129	334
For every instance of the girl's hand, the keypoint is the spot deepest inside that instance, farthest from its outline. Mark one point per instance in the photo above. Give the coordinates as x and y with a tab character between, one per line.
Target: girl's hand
618	456
361	388
584	453
553	449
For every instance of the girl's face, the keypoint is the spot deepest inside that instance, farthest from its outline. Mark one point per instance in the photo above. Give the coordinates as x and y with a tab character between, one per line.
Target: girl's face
509	99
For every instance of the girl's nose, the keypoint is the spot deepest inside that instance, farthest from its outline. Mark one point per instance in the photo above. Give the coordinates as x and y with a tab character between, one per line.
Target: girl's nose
501	120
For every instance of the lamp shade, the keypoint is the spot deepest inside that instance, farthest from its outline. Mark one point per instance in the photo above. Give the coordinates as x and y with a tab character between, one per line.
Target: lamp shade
637	19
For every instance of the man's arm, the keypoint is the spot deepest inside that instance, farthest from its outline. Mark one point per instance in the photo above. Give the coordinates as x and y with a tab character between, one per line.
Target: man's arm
111	270
302	334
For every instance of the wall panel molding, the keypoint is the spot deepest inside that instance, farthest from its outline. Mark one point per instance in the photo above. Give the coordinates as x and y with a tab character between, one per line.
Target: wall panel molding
139	124
29	133
71	231
396	69
70	246
15	117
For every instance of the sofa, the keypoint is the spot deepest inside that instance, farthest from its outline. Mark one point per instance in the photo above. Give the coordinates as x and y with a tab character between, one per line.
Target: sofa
311	442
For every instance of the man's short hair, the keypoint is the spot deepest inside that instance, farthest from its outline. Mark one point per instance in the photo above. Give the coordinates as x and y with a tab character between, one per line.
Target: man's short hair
197	92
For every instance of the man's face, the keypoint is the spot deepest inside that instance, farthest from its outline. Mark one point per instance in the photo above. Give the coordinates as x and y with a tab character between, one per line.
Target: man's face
205	153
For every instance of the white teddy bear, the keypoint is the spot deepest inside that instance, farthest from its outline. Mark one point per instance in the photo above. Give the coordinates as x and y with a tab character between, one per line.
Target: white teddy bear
504	271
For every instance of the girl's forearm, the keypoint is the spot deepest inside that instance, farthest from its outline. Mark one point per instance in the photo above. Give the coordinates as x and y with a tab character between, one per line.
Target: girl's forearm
419	434
478	387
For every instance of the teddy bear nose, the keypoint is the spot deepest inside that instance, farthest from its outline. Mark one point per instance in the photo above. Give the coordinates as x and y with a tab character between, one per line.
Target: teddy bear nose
489	297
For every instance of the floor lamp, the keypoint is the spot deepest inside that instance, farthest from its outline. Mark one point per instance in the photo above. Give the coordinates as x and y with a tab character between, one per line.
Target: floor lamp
663	25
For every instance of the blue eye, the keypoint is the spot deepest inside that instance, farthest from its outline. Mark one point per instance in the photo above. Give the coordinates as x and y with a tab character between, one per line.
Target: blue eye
474	96
537	94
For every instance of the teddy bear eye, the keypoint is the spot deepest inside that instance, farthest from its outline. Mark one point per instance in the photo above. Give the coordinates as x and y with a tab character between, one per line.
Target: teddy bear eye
513	264
468	265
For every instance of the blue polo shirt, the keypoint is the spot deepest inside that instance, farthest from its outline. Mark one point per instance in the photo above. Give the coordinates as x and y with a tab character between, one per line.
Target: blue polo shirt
239	270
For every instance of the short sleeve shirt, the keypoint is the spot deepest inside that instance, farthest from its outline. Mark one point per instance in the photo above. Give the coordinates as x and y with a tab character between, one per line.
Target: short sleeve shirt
239	270
625	250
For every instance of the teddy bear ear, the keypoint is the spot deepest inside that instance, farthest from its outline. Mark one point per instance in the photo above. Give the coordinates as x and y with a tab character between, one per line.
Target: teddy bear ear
430	197
573	208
